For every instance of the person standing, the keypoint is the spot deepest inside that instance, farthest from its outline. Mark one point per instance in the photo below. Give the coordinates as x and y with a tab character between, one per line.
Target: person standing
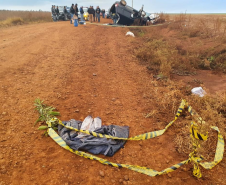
76	14
93	13
72	12
65	13
53	10
115	18
90	14
76	9
57	13
103	13
98	13
81	13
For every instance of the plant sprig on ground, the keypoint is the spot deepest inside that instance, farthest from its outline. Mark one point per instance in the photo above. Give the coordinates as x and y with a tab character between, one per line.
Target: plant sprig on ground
46	113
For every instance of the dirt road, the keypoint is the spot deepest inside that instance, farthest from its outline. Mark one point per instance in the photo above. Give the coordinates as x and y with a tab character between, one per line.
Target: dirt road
80	71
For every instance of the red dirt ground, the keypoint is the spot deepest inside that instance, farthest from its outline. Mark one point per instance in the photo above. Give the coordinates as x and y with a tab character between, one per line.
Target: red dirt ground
56	62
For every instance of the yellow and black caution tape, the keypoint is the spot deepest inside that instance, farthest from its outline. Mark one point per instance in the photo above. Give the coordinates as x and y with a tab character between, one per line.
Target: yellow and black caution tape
145	136
192	156
195	133
139	169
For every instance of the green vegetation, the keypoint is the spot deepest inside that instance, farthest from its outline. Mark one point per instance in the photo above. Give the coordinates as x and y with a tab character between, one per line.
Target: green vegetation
46	113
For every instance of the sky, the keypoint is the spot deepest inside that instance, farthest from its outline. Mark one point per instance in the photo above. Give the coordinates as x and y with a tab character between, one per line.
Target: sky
152	6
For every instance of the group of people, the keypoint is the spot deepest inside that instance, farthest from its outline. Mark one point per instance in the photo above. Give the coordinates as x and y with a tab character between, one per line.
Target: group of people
94	14
74	12
55	12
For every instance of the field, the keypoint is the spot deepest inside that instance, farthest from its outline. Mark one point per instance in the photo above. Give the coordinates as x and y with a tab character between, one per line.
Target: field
11	18
135	81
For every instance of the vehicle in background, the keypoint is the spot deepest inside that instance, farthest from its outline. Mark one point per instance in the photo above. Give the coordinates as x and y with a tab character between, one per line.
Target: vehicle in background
154	17
79	15
68	9
86	14
126	14
62	15
107	15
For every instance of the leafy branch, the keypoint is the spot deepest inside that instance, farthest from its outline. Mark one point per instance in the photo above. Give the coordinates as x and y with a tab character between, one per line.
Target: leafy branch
46	113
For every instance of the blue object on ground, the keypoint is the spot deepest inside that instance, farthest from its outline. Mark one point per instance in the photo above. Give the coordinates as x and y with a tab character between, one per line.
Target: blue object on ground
76	22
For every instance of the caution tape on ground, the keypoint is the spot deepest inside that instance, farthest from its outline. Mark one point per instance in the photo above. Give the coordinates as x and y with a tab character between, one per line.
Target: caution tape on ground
145	136
195	133
144	170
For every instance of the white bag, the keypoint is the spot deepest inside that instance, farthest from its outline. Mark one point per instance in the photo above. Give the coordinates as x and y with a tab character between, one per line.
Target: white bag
198	91
130	34
90	124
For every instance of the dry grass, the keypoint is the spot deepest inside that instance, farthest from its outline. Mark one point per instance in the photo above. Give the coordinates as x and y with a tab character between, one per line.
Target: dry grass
197	25
12	21
165	56
9	18
168	94
180	49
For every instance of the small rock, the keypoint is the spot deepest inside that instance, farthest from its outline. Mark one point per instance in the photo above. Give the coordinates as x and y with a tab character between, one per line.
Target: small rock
124	182
101	173
94	74
76	110
120	180
113	181
113	99
4	113
126	177
169	175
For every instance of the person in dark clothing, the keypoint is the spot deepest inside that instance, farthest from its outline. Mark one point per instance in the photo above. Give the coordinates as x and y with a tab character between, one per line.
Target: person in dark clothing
65	10
115	17
90	14
53	10
103	13
72	12
65	13
76	10
93	11
81	13
98	13
57	13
